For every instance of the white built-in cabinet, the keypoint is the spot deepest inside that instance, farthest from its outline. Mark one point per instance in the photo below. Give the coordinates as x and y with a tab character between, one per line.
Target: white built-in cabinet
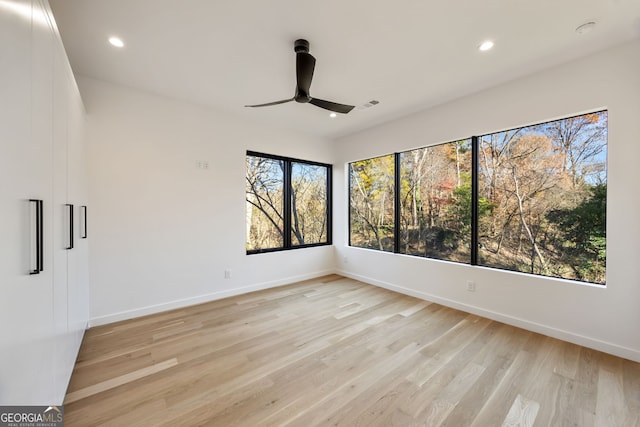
42	316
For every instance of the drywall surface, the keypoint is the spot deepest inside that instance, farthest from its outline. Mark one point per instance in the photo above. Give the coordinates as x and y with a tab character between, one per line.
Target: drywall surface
163	230
599	317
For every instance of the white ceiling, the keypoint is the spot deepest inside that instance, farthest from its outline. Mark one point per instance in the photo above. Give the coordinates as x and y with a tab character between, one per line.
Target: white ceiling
408	54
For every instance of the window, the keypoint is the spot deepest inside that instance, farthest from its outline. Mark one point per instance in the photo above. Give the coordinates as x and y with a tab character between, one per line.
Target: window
435	201
371	193
531	199
544	188
309	216
288	203
265	203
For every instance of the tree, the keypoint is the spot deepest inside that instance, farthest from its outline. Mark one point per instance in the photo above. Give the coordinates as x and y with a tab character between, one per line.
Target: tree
583	233
581	140
371	202
308	203
430	177
264	197
524	175
532	177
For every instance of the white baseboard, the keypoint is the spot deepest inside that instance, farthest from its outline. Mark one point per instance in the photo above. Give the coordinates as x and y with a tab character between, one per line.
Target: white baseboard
185	302
607	347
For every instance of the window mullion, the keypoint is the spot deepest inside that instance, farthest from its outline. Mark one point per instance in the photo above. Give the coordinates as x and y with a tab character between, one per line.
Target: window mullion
329	206
475	146
396	203
287	204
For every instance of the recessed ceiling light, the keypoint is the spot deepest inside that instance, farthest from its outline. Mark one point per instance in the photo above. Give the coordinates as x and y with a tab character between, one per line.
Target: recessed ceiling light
333	115
115	41
485	46
585	28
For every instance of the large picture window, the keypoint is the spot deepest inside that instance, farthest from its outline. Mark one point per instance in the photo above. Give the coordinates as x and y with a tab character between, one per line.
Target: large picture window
531	199
545	189
288	203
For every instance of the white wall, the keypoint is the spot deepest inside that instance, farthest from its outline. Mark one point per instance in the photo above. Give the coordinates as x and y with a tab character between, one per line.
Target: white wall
162	232
603	318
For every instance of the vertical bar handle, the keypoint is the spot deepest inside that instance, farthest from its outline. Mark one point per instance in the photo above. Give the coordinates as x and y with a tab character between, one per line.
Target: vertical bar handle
83	225
70	216
38	226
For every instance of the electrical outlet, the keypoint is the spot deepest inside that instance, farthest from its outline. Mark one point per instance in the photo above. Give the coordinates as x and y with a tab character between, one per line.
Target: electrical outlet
227	274
345	259
471	286
202	164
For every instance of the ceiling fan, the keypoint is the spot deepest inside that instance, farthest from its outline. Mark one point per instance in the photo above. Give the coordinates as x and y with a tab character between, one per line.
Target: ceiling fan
305	64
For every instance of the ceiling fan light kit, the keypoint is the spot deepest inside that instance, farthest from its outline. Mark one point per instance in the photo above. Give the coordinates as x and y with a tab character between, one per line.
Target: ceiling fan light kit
305	65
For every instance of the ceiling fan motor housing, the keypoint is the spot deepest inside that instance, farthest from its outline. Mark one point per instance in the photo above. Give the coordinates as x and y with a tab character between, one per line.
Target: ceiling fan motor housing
302	98
301	45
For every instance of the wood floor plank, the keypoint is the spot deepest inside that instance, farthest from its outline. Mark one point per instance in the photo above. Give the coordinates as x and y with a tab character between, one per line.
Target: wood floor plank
611	409
497	358
522	413
335	351
452	357
445	402
117	381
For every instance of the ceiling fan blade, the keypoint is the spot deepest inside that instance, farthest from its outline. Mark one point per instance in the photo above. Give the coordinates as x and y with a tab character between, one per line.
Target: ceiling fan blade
271	103
305	64
331	106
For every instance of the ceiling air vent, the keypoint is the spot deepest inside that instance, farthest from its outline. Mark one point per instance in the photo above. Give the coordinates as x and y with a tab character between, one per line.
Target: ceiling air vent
368	104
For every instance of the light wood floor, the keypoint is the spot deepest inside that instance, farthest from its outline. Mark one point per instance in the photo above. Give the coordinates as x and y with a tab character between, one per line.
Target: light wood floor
334	351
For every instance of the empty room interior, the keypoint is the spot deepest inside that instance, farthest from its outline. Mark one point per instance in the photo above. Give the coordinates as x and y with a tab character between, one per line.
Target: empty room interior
446	235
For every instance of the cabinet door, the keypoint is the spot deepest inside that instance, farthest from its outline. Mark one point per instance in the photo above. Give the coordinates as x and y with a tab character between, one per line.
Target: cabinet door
78	189
69	193
25	171
62	216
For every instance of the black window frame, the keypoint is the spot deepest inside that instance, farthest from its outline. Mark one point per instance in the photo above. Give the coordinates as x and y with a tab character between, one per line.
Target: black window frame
287	193
475	214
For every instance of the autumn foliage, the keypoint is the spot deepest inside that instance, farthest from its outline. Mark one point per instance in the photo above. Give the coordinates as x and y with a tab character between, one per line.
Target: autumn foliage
541	200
